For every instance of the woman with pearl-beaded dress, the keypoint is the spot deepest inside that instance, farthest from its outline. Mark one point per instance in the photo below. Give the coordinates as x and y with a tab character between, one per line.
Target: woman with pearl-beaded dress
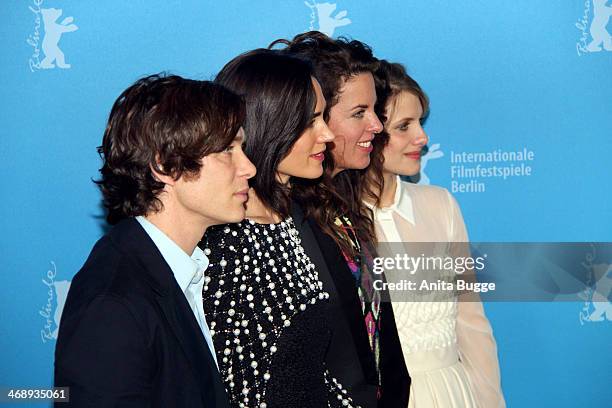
264	299
448	344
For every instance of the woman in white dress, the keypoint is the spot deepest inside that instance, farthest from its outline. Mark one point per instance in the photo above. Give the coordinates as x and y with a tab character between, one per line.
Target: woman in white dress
448	346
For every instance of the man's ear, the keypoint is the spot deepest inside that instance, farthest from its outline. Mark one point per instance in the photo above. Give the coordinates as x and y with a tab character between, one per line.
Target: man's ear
158	173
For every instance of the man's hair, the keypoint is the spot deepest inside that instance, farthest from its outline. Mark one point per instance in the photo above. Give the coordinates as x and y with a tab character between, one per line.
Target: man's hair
280	102
165	123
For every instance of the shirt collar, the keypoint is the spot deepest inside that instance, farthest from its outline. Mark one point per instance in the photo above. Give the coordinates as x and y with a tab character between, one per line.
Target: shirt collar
186	269
402	205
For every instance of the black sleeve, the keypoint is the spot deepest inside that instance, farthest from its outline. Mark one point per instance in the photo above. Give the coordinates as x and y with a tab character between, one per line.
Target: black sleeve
104	357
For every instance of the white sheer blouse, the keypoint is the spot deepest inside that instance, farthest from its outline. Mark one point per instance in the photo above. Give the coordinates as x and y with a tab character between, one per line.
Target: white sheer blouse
423	213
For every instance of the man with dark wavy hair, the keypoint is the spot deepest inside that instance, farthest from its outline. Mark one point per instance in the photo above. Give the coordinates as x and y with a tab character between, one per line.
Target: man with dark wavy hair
133	330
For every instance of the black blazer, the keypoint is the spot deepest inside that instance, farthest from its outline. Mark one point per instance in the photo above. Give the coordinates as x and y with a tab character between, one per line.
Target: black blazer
350	358
128	336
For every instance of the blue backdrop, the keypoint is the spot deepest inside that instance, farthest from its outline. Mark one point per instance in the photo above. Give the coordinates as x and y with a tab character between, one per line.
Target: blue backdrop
504	77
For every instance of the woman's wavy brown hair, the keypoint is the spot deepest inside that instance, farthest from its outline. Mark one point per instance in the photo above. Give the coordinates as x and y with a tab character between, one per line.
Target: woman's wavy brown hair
391	79
334	62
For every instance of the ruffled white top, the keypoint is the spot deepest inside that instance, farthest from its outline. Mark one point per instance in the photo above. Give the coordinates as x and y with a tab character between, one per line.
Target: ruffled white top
448	346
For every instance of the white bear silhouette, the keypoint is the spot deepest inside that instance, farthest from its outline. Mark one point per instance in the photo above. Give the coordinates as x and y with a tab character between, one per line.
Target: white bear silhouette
53	33
601	16
432	153
61	292
601	304
327	22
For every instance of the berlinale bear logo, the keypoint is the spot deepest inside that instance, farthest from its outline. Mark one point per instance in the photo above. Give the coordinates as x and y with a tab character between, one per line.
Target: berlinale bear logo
602	308
57	291
600	37
53	33
433	152
597	307
327	23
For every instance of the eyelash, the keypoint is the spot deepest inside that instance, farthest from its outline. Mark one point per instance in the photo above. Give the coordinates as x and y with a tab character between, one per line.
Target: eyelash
359	114
229	149
403	127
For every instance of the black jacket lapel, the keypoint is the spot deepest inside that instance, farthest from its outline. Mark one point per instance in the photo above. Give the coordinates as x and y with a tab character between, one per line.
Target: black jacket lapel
349	298
343	360
132	239
180	317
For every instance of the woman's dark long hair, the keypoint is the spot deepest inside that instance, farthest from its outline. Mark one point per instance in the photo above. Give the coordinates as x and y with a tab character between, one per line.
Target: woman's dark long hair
391	79
280	102
334	62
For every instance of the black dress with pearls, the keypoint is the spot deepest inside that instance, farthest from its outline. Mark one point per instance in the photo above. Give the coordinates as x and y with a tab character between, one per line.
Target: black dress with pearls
266	309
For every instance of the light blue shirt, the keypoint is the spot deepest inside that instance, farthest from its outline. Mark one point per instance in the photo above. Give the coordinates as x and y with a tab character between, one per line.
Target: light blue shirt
188	272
